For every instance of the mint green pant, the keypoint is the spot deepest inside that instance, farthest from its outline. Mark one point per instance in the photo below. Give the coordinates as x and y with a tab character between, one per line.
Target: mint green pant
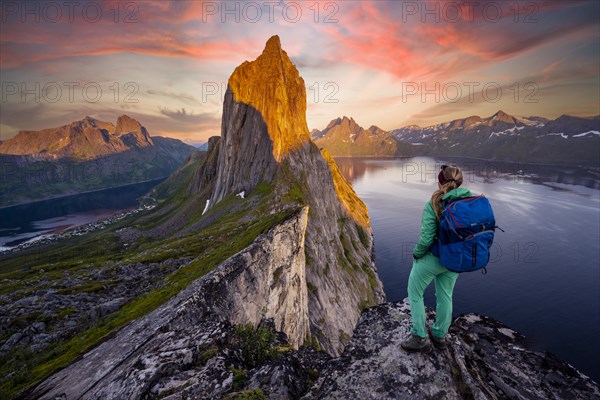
424	270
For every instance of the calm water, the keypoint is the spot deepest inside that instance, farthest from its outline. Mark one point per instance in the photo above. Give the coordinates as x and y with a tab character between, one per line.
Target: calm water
26	222
544	278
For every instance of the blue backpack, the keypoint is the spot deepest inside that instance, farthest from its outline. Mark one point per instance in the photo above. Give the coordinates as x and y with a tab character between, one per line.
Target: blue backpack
465	234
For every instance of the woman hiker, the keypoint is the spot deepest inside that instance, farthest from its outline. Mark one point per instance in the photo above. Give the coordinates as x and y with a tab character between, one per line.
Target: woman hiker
426	267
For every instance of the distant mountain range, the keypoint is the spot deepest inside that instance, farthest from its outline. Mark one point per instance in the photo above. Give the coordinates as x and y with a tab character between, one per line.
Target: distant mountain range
565	140
343	137
84	155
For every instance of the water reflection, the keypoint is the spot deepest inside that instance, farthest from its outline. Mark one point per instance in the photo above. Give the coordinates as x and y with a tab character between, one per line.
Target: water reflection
425	169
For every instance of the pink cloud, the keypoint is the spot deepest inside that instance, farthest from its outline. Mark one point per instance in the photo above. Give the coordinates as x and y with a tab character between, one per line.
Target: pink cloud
161	30
384	39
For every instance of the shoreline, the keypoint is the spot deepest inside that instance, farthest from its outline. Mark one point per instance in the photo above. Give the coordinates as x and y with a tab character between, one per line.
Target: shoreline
61	232
64	196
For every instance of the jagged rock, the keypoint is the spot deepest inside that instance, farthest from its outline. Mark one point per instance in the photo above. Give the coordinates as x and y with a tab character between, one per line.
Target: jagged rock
264	137
204	177
485	360
264	119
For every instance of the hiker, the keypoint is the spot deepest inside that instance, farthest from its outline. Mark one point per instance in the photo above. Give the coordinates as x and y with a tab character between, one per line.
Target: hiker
426	267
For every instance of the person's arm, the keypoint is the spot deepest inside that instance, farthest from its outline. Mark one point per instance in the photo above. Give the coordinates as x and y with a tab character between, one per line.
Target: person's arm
428	230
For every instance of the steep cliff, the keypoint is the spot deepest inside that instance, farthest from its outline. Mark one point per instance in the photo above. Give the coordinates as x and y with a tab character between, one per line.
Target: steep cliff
265	138
264	120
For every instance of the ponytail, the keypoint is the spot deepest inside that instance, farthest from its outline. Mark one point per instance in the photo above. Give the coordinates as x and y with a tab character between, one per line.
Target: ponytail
450	178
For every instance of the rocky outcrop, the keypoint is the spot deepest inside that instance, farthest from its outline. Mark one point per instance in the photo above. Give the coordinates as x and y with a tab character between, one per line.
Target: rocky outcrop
201	360
265	139
265	281
264	120
485	360
132	133
204	177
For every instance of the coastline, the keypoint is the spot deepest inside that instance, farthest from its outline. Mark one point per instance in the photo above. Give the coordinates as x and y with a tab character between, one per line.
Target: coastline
64	196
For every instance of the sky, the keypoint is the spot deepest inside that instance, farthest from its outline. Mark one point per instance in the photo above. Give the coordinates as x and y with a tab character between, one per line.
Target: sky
384	63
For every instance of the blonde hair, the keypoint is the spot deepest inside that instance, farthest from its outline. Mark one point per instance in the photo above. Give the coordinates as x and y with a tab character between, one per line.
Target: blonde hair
453	178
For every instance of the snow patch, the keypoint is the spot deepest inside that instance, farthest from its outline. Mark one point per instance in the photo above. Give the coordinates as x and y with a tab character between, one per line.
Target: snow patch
241	194
504	132
587	133
562	135
206	206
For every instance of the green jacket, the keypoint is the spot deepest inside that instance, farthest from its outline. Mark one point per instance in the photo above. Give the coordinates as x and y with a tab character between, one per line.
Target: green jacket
429	223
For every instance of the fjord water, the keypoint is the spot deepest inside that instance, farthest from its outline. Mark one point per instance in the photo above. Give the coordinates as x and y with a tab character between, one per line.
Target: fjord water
544	276
25	222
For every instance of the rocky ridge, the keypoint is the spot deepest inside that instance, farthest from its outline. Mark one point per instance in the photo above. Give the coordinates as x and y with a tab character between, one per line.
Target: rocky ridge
265	281
484	360
565	140
184	350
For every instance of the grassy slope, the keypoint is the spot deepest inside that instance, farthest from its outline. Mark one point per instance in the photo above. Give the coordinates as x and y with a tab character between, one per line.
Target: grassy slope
241	222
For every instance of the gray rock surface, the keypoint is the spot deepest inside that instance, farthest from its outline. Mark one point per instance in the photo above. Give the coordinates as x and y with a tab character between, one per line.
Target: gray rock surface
264	281
484	360
56	310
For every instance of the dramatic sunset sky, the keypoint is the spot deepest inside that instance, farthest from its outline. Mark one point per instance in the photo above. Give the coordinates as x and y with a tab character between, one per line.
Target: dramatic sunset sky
358	58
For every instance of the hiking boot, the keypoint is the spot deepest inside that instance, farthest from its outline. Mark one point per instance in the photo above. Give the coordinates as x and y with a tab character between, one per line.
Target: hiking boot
439	343
416	343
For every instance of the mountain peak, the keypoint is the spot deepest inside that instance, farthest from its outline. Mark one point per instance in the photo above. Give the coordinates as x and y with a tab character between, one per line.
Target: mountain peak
132	132
503	117
272	85
264	120
273	44
127	124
